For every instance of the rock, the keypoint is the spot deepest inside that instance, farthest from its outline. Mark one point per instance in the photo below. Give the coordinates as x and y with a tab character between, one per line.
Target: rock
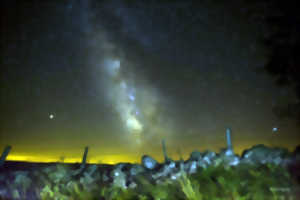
60	174
165	170
228	152
208	157
88	181
173	177
181	165
225	152
260	154
92	169
119	178
195	156
149	163
171	164
132	185
227	157
22	180
124	167
176	175
277	161
105	178
232	160
136	169
191	167
202	164
218	161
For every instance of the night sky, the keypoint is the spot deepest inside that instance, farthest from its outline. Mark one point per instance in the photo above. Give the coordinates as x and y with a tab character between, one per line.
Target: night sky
120	76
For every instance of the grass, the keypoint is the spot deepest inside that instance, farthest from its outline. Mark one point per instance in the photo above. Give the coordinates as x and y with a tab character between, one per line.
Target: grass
240	182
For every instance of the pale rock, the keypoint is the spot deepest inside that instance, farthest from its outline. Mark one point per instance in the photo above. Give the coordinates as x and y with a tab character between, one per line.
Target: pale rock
149	163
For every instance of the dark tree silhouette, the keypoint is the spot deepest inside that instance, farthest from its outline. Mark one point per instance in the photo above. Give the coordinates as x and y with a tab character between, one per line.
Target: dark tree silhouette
282	39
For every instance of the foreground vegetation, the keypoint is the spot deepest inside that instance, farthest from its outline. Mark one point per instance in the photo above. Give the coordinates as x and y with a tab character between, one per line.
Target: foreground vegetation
242	182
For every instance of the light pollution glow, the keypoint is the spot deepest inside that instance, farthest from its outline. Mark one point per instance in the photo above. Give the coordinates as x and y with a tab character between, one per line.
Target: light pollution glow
127	158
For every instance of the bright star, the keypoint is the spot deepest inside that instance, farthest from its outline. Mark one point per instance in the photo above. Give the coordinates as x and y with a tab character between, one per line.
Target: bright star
51	116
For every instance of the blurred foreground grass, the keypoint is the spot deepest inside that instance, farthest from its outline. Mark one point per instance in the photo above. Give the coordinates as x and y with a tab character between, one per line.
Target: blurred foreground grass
242	182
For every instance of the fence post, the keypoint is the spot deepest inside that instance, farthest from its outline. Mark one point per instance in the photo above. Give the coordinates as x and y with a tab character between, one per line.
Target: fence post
83	163
85	156
165	151
4	155
228	138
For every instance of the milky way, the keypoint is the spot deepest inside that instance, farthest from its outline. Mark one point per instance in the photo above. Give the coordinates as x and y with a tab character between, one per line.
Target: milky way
120	76
135	104
123	96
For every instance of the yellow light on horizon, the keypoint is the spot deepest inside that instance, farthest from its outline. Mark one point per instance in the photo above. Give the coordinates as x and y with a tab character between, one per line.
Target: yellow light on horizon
29	159
109	159
119	158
